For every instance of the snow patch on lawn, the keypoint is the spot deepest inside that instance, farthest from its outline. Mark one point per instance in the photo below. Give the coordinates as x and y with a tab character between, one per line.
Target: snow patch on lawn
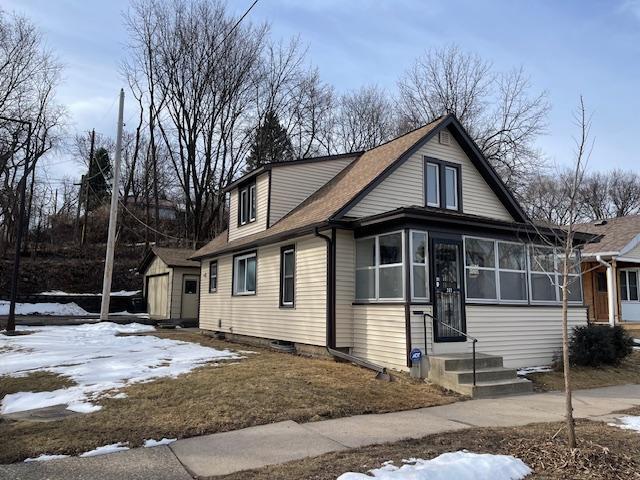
522	372
63	309
628	423
97	359
45	458
120	293
104	450
460	465
156	443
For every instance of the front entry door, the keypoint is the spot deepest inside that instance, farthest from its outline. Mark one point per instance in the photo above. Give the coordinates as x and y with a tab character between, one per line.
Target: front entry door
448	291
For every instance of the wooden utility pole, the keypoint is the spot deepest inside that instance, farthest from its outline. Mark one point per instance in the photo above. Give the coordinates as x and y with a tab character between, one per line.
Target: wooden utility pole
76	225
113	218
86	189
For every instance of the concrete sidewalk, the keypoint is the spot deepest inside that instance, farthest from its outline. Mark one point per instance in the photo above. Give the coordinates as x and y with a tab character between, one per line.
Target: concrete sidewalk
229	452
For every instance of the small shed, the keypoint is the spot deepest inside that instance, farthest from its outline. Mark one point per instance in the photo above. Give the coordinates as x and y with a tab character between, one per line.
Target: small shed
171	283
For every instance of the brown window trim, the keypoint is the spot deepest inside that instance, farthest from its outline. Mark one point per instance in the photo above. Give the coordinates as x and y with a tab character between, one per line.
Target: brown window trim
442	182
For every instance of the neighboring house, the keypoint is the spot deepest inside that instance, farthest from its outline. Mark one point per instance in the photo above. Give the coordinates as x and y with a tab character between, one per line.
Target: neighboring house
171	283
167	210
612	269
342	251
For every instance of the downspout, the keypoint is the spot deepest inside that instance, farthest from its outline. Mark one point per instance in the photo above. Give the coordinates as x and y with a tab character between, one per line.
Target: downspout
330	343
611	293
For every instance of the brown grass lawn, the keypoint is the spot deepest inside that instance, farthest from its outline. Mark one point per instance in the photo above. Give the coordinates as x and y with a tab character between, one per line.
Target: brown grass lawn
262	388
627	372
604	453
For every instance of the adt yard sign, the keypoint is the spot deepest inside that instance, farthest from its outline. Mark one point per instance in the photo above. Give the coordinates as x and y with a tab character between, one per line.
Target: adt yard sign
415	355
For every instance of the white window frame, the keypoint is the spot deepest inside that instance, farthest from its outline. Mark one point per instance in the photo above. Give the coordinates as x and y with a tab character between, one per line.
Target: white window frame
455	188
626	271
510	270
426	174
289	251
253	206
216	275
492	269
236	261
248	216
426	265
377	267
556	275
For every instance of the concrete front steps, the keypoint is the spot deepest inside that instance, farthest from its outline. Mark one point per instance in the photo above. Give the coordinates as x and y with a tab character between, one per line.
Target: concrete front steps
455	372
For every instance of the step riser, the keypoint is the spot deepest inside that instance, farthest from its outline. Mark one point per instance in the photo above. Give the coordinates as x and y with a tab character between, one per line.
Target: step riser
451	365
482	376
497	391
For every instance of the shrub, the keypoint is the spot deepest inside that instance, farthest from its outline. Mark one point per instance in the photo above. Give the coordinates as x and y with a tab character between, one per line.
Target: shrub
598	345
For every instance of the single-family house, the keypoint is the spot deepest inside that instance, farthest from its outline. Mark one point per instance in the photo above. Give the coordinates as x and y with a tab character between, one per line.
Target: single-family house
170	283
612	269
411	249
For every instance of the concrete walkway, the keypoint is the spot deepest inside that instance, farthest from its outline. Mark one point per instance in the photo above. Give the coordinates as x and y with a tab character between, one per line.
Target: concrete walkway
229	452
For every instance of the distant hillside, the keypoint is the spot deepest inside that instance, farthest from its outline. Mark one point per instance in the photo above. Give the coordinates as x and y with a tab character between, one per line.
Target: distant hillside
70	268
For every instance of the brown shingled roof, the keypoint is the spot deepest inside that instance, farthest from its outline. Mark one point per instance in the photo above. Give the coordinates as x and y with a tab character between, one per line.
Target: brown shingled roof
334	195
173	257
616	232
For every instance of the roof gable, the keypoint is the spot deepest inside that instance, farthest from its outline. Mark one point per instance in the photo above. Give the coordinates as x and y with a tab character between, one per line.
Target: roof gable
332	200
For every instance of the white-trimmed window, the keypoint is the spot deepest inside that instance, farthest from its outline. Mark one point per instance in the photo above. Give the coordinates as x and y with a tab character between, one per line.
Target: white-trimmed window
480	269
451	188
629	286
379	267
244	274
287	276
213	276
545	275
419	265
495	270
433	184
247	204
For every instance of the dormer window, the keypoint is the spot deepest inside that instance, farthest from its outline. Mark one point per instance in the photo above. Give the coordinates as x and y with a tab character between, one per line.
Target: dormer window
247	204
442	184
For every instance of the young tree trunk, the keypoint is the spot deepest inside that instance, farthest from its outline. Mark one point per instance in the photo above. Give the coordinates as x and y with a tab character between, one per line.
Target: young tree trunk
571	430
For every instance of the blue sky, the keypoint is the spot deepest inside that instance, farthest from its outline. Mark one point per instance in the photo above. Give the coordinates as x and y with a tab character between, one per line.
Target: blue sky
568	48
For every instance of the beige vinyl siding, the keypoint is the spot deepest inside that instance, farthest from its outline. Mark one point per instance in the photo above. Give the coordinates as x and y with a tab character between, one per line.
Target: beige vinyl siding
176	290
379	334
633	253
262	201
405	186
260	315
292	184
524	336
345	287
417	329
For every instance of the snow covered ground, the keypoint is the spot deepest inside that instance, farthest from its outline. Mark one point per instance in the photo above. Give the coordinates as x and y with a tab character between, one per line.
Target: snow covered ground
460	465
71	309
629	422
120	293
97	359
527	370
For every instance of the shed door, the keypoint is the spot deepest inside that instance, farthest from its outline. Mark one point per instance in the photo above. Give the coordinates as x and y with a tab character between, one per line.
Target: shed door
190	292
158	296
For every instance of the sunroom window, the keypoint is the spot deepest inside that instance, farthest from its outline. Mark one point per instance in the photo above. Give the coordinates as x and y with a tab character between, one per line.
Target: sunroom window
379	270
480	269
545	275
512	271
419	263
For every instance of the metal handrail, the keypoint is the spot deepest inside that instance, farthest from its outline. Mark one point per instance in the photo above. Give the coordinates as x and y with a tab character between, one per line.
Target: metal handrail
473	339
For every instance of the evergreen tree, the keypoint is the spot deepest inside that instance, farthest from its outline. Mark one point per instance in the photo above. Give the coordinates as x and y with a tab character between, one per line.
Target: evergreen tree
98	178
271	143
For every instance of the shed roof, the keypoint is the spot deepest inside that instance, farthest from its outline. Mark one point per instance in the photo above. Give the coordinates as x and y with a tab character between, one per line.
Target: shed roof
173	257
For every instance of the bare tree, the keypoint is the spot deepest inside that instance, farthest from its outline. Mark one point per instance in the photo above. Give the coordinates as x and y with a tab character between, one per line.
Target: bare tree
595	195
625	192
364	120
497	109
